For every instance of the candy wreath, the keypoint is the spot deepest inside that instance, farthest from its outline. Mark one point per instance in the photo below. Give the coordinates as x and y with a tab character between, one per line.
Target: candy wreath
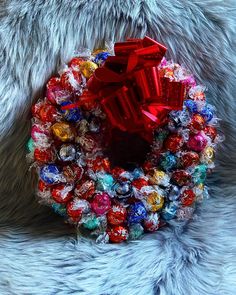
122	141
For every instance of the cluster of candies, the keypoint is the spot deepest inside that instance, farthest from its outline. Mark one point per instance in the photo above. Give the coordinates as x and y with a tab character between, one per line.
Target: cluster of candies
110	203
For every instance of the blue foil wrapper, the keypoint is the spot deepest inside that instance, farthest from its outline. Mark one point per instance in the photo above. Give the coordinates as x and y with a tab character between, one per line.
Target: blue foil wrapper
136	213
50	174
208	113
71	115
191	105
101	57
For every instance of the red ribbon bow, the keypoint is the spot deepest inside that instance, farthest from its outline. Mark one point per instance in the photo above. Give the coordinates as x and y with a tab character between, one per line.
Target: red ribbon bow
132	94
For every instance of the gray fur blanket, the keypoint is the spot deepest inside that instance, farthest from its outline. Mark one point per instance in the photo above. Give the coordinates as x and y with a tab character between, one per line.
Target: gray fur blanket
41	255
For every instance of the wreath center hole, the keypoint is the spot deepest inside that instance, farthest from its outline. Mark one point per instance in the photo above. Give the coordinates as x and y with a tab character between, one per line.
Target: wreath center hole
127	150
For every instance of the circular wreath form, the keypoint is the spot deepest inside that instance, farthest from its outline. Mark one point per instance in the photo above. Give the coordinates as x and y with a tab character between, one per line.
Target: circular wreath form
122	141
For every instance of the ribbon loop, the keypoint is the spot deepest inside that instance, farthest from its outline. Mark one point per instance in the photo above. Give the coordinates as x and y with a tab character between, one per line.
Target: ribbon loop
121	109
148	82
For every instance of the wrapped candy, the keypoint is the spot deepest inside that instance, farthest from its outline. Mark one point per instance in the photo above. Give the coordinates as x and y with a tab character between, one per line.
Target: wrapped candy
86	142
101	203
99	164
91	222
181	177
30	145
63	131
117	172
48	113
207	112
44	155
118	234
94	125
208	155
159	177
197	142
199	174
210	131
85	189
105	182
184	213
137	173
82	127
160	135
73	173
188	159
123	189
51	174
168	161
71	80
154	201
59	209
62	193
179	119
197	93
55	92
169	211
197	123
87	68
42	187
44	193
98	50
173	193
135	231
76	207
71	115
101	57
191	105
40	135
75	63
174	142
116	215
187	197
152	222
136	213
67	152
36	108
139	183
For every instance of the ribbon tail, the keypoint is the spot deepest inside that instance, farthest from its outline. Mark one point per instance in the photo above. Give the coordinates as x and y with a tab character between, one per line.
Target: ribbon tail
79	103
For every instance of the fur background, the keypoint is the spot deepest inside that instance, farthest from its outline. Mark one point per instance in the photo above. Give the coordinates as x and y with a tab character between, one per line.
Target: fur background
41	255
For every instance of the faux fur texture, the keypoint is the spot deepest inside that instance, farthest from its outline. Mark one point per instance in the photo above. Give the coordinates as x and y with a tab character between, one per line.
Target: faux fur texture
41	255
